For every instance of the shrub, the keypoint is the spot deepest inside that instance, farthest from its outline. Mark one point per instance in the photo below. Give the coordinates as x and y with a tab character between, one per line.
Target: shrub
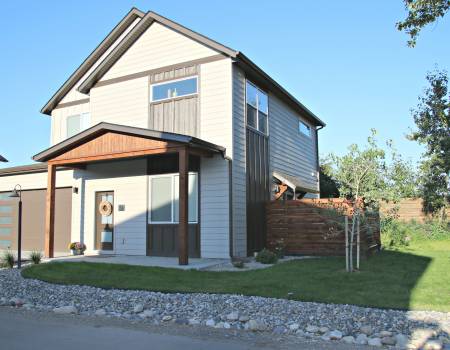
394	233
36	257
8	259
239	264
398	233
280	248
265	256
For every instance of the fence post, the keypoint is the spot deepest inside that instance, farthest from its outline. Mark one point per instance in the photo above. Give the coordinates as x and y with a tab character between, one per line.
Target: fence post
357	243
346	242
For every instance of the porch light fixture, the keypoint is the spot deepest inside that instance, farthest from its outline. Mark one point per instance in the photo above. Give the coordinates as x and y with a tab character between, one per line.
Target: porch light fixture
17	193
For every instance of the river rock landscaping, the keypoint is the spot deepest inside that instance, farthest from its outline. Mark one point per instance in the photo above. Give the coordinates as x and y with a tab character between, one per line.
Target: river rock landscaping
345	323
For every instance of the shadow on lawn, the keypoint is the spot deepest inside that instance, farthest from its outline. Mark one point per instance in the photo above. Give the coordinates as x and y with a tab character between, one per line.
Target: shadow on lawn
406	271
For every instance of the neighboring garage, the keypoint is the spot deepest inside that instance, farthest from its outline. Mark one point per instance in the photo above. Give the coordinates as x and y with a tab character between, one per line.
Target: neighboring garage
33	220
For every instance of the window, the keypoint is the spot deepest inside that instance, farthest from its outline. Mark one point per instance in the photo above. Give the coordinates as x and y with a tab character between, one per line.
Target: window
257	108
164	198
172	89
77	123
304	128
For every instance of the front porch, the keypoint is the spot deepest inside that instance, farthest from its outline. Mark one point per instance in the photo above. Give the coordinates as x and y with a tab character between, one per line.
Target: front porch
99	151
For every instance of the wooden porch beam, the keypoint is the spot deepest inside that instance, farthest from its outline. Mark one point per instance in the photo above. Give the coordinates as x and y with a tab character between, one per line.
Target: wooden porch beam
50	211
183	162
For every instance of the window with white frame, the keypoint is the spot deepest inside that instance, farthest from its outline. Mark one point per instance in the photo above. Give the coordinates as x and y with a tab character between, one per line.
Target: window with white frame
173	89
257	108
304	128
164	198
77	123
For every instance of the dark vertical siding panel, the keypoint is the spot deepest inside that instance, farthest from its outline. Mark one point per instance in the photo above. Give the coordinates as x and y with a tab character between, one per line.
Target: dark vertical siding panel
258	189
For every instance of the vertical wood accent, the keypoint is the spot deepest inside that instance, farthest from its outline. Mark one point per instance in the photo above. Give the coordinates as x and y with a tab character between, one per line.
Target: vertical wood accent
50	212
183	257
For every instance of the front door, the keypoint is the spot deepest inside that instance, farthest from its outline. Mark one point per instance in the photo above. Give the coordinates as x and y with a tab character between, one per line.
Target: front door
104	220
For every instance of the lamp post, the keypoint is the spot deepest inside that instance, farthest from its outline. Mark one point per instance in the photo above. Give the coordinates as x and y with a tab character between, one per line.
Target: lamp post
17	193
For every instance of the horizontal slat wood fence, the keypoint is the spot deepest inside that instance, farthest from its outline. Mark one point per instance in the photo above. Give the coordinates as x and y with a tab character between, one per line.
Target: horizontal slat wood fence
315	226
408	209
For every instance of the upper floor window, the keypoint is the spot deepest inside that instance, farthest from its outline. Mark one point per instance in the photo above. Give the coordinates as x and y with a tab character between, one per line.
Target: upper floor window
257	108
77	123
304	128
174	88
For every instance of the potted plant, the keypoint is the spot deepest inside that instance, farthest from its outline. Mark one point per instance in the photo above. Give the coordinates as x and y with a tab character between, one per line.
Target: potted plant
77	248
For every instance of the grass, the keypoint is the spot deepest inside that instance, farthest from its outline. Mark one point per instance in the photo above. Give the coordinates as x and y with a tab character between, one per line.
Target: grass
415	277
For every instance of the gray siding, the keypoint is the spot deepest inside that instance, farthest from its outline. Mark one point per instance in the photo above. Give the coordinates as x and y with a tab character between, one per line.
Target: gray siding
291	152
214	208
239	188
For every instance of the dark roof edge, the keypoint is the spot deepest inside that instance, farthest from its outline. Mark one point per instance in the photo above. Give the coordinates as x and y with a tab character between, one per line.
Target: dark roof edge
91	59
246	63
249	65
102	127
26	169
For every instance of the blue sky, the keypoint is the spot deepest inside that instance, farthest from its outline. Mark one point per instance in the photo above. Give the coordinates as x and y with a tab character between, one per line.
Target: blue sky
343	59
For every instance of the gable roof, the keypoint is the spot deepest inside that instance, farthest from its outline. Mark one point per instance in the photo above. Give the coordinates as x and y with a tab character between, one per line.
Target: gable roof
91	59
238	57
3	159
102	128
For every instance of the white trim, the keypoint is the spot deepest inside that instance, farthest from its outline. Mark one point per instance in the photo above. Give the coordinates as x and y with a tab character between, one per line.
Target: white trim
149	209
174	81
257	109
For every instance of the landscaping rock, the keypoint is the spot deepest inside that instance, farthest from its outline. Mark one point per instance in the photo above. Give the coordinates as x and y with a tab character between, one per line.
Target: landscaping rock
65	310
166	318
433	345
366	329
147	314
279	330
226	325
401	341
210	323
233	316
323	330
100	312
244	318
294	327
194	322
335	335
254	325
374	342
138	308
348	339
388	341
384	334
312	329
361	339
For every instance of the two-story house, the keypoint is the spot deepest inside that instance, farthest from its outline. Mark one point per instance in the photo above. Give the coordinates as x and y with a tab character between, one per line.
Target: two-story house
163	143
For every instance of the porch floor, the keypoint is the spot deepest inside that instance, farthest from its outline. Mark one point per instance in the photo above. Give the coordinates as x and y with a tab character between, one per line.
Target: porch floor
194	263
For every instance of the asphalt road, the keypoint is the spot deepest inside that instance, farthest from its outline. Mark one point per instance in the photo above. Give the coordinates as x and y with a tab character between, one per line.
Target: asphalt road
20	329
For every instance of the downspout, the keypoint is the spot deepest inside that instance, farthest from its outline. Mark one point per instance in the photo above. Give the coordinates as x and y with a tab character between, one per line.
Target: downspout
317	154
230	205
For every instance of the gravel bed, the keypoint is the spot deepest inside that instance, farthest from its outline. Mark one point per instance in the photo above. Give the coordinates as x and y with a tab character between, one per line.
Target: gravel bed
347	323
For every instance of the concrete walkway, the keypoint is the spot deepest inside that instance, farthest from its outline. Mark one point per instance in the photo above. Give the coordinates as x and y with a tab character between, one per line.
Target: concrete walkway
194	263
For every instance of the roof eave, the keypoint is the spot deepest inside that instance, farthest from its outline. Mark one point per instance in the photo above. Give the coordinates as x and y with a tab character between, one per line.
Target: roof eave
248	65
91	59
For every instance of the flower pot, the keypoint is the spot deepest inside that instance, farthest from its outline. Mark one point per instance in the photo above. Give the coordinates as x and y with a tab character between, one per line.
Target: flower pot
76	252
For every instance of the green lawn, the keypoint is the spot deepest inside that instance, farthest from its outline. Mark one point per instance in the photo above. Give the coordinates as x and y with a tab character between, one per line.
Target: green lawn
416	277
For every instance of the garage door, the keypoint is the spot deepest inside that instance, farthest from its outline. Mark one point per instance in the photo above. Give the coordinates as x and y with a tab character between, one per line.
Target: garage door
33	220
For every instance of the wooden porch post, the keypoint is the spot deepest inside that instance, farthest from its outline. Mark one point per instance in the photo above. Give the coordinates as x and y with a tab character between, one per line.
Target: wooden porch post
50	211
183	162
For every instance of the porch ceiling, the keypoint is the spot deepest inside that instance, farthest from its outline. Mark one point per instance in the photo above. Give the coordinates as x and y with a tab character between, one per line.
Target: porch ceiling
106	141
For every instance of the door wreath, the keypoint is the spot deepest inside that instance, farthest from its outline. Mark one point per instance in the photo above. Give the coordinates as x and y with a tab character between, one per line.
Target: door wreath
105	208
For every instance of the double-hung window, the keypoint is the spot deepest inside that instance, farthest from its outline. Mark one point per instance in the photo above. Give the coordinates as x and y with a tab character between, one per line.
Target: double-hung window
257	108
173	89
77	123
164	198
